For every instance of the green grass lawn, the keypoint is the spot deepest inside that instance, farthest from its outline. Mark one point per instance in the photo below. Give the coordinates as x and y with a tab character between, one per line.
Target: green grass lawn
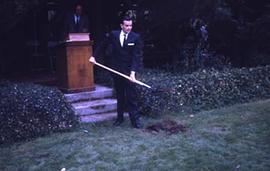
234	138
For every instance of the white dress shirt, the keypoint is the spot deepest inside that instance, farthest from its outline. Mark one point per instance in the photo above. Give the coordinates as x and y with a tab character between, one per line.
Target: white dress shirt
121	37
76	18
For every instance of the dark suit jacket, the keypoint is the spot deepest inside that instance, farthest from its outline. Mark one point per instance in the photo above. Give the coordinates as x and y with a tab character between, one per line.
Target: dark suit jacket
70	25
124	59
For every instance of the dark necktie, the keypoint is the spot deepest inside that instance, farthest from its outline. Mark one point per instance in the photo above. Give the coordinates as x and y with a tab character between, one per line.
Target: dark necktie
125	39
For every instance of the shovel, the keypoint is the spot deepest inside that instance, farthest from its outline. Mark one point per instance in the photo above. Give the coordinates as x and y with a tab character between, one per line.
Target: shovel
122	75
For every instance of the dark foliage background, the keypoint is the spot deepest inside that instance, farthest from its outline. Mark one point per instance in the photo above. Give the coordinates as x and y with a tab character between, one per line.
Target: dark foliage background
29	110
13	11
234	32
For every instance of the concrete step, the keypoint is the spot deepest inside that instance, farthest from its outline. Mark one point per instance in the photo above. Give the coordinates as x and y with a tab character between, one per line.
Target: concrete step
100	117
95	107
100	92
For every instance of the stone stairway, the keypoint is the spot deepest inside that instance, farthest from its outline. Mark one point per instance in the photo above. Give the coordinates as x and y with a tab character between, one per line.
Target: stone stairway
94	106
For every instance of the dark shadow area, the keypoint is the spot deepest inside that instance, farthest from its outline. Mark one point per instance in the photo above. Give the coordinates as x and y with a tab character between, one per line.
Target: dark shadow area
178	35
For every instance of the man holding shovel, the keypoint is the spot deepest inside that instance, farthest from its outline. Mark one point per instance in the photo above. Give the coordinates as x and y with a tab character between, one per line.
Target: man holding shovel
125	49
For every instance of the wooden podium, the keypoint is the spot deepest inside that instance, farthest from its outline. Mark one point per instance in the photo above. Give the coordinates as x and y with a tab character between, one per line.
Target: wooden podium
74	71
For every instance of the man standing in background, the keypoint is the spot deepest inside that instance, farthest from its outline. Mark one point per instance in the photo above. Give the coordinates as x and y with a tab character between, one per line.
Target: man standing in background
77	22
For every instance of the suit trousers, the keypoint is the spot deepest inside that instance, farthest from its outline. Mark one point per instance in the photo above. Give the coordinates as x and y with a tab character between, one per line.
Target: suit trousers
127	97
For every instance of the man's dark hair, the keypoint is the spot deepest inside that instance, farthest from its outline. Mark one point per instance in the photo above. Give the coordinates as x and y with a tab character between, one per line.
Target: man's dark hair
125	18
77	4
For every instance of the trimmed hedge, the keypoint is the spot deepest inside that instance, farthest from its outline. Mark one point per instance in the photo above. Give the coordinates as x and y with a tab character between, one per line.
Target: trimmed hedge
29	110
202	90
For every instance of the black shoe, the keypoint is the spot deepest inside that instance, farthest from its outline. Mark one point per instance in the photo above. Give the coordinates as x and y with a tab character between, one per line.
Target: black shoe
118	122
137	124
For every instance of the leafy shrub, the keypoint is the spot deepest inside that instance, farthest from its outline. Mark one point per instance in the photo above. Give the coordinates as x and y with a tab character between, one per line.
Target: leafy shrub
202	90
29	110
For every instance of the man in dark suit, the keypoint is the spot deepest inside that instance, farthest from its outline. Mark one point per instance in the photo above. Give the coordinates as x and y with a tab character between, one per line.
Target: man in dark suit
77	22
125	49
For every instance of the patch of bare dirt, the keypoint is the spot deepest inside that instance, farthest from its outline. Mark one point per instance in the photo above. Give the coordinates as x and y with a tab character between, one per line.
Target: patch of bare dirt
168	126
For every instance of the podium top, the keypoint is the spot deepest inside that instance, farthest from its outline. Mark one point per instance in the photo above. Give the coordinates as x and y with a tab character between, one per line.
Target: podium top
78	37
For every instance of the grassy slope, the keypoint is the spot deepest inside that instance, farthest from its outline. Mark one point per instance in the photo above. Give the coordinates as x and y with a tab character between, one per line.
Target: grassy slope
234	138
